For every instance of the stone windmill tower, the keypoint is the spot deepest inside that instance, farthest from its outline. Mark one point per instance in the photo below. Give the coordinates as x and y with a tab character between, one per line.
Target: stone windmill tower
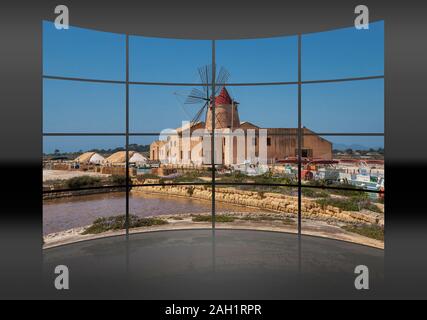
226	112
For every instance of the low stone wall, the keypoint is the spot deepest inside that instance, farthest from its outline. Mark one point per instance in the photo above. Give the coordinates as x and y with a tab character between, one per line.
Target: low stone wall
64	194
286	204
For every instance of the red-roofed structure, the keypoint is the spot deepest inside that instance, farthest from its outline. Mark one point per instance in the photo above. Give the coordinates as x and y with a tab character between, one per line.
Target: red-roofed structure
223	97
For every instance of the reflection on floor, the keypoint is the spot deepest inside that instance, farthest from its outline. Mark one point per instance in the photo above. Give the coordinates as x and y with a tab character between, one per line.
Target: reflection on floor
224	264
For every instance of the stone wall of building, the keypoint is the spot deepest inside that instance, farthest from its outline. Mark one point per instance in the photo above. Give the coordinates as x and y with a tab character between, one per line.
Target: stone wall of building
321	147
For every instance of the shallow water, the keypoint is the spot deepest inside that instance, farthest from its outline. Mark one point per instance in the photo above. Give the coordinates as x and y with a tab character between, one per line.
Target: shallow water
66	213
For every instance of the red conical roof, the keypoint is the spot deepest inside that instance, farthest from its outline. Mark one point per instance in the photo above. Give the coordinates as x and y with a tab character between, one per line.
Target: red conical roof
223	97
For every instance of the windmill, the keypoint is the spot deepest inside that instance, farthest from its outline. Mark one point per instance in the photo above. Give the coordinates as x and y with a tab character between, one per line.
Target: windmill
203	97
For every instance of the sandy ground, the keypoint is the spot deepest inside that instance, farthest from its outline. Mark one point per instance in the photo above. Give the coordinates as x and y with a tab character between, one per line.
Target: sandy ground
65	174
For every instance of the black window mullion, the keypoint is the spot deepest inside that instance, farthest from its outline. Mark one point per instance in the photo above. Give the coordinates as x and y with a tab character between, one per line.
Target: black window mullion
213	133
299	135
127	137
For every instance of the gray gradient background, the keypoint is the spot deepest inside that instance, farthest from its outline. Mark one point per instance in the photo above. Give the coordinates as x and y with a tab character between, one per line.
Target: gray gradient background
21	125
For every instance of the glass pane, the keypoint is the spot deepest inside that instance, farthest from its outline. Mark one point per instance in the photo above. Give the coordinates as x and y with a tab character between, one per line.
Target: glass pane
151	164
267	106
357	164
153	198
257	207
167	60
345	107
76	106
237	206
257	127
88	166
355	216
153	109
343	53
259	60
83	53
360	148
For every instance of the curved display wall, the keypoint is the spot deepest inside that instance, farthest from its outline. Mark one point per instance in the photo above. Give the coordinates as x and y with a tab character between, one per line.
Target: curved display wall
298	144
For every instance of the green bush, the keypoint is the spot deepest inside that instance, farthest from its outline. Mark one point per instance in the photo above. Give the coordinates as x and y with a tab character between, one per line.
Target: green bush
83	182
355	203
343	204
367	230
192	176
177	218
149	176
119	180
284	220
311	193
119	222
269	178
208	218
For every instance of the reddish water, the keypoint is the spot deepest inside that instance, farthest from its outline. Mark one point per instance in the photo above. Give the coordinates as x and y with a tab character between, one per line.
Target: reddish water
66	213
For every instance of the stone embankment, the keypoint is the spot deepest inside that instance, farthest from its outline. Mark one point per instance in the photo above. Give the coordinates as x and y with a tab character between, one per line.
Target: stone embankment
282	203
74	193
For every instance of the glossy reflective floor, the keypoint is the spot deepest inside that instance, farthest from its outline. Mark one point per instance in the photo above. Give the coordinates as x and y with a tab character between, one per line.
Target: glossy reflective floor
202	264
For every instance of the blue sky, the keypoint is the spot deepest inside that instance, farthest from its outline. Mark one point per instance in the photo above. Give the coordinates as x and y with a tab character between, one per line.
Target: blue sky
73	106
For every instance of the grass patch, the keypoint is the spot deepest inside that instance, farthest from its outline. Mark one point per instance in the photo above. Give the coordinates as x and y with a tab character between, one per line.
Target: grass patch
177	218
311	193
354	203
208	218
266	178
343	204
285	220
370	231
118	222
189	176
259	218
350	190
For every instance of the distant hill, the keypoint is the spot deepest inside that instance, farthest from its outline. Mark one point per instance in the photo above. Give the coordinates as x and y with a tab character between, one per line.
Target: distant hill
343	147
71	155
132	147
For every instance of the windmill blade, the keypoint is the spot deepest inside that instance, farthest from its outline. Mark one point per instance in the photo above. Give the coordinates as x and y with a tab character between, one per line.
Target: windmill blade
195	96
222	76
199	113
205	74
180	98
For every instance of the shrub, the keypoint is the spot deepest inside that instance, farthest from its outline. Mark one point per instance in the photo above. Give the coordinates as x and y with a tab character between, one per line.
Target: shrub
208	218
372	207
177	218
192	176
83	181
343	204
284	220
190	191
119	180
149	176
119	222
311	193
